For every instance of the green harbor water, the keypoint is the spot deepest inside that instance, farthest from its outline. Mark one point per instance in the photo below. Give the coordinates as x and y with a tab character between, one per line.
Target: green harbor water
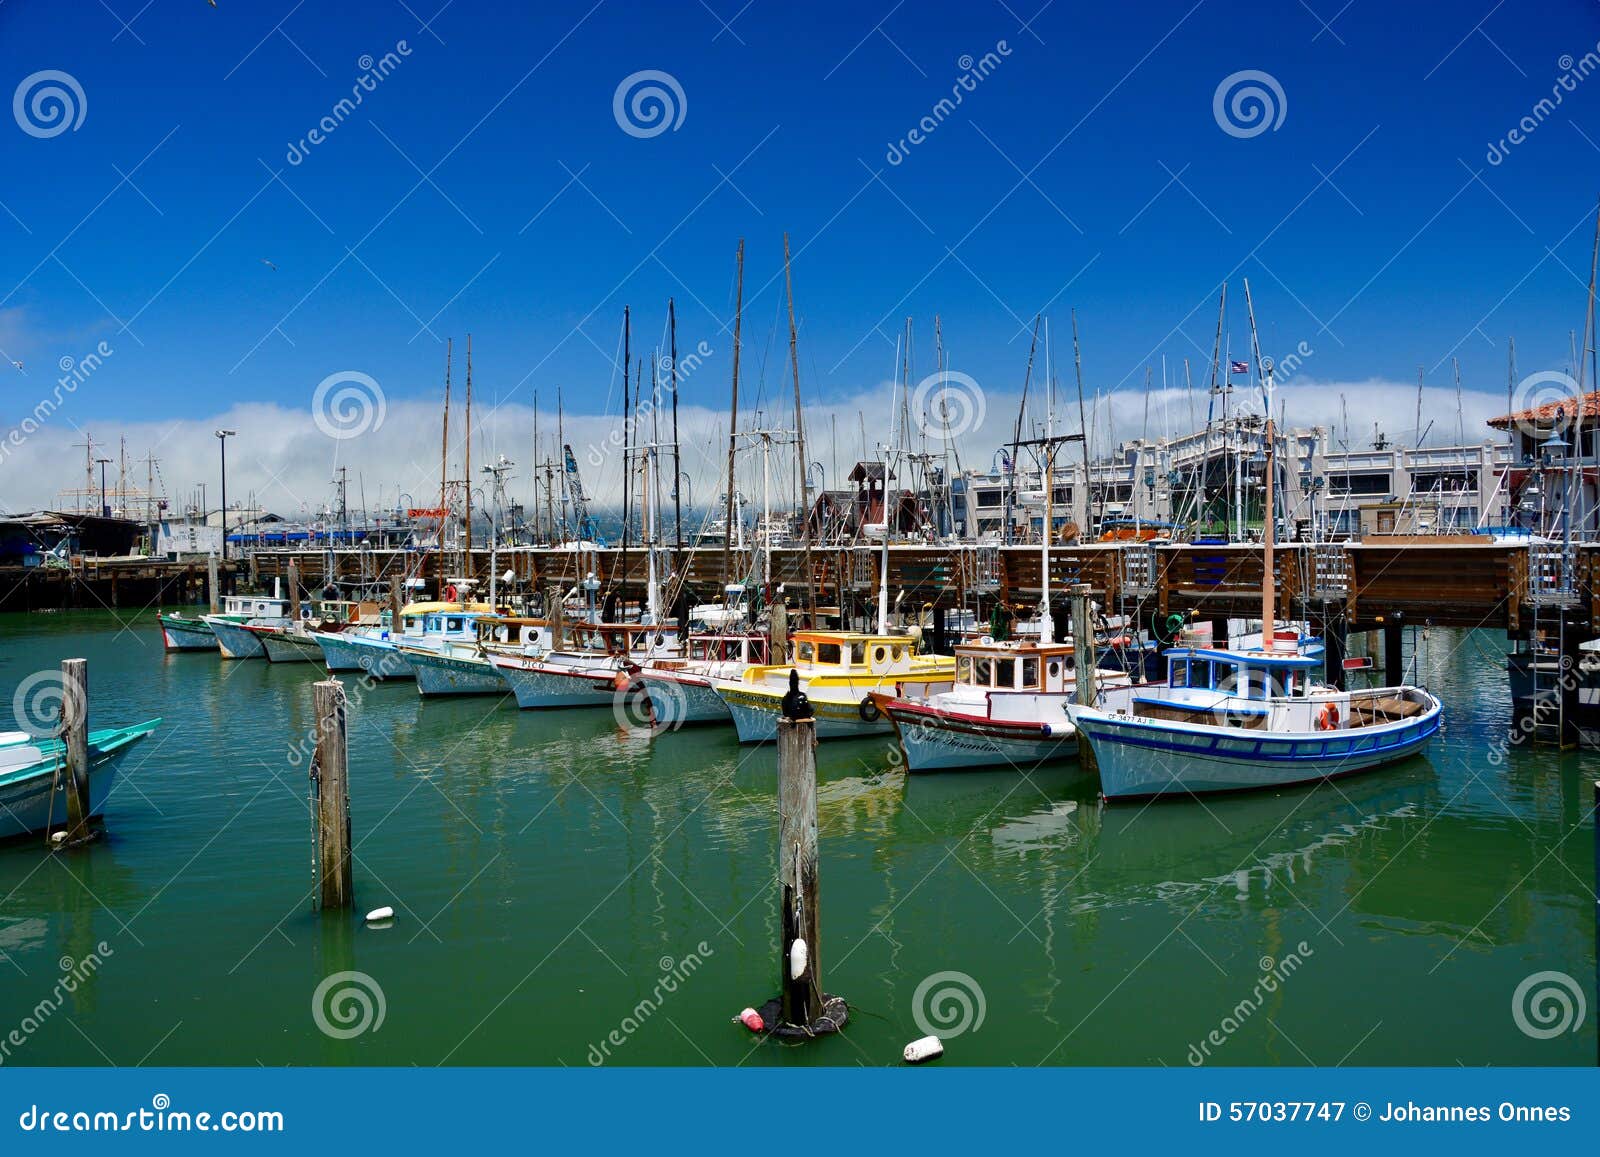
562	884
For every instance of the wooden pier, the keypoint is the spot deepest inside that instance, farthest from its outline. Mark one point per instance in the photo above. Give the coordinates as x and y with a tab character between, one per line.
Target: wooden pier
1448	583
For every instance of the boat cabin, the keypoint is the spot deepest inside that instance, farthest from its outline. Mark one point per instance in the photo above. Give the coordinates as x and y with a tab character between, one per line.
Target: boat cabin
1015	666
255	606
749	649
635	640
1231	688
845	652
508	631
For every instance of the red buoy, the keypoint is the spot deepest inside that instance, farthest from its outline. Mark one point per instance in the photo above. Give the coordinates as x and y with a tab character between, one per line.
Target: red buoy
751	1019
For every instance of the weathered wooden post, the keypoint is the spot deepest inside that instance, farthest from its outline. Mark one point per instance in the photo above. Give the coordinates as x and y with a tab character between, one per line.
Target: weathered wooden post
75	735
294	589
331	787
803	1009
556	614
1394	663
1083	651
211	582
396	604
778	618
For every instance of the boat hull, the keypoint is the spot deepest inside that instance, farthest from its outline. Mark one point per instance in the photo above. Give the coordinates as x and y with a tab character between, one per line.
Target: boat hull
536	689
183	634
287	648
31	802
755	717
376	658
934	740
676	701
446	675
1138	758
235	641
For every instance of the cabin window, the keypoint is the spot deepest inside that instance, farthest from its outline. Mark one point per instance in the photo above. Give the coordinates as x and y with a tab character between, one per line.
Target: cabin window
1030	672
452	624
879	655
983	672
964	669
1054	668
899	653
804	653
858	653
1178	673
1006	673
827	652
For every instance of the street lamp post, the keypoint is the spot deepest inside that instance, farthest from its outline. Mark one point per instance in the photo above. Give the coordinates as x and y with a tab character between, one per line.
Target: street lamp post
222	446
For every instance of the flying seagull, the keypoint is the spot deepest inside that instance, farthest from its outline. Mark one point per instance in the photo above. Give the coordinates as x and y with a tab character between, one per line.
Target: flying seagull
269	265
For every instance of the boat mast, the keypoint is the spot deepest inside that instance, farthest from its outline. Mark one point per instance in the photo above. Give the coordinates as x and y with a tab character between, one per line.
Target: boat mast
733	422
1047	629
627	467
1083	426
1269	594
444	462
799	432
652	518
467	553
677	466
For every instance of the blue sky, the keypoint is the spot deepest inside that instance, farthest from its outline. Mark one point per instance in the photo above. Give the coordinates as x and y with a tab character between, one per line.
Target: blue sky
486	185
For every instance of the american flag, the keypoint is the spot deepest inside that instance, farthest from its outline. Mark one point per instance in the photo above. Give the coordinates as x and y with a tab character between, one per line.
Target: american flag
1239	367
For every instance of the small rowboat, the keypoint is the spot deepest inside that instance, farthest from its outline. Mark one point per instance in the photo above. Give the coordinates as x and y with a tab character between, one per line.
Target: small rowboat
33	773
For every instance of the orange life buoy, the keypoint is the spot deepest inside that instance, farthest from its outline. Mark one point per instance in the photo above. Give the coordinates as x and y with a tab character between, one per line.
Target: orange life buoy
1328	718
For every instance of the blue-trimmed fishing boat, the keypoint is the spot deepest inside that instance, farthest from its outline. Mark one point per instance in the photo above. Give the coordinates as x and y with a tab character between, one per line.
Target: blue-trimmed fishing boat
32	773
1249	715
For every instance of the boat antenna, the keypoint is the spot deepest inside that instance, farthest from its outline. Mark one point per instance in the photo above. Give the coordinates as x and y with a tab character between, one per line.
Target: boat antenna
1269	515
733	420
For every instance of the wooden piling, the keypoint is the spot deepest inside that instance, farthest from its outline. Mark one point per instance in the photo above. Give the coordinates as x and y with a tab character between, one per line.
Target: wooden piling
1394	663
797	868
778	618
294	589
332	791
1083	649
556	613
396	603
75	735
211	583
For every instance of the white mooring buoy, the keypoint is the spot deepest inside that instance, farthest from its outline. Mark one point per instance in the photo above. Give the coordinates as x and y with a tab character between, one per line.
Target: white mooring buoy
797	959
380	914
925	1049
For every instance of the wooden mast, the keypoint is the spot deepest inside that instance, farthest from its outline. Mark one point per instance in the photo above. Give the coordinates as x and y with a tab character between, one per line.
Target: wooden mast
733	420
677	468
799	433
444	462
627	467
467	530
1269	593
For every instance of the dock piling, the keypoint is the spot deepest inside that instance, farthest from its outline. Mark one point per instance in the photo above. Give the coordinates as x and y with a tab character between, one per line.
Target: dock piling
1394	663
211	582
75	736
1083	652
396	602
331	789
294	589
802	1010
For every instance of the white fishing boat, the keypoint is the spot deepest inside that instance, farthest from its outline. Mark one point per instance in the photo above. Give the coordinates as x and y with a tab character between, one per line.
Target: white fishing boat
593	671
1234	718
374	650
462	667
180	632
1007	708
32	770
295	640
682	690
